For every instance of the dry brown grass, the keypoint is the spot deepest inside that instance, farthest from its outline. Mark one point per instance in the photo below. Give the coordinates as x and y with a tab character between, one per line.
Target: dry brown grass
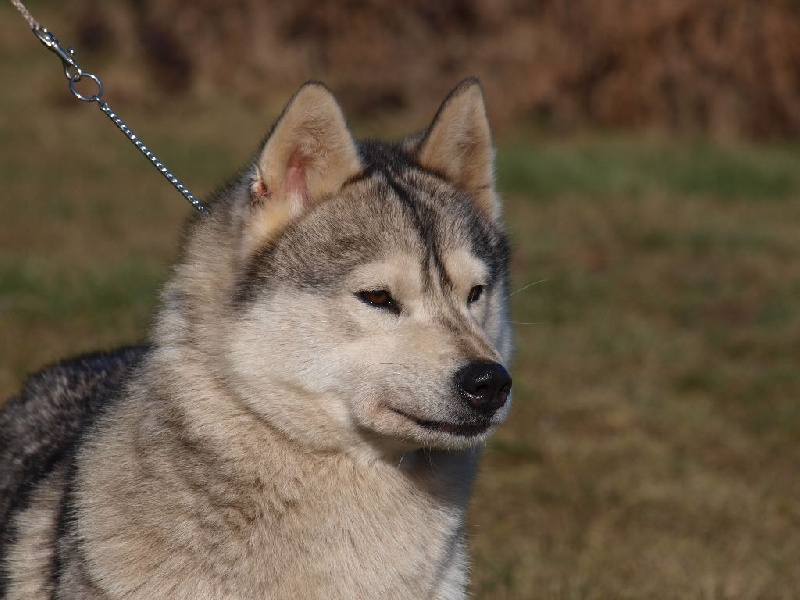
652	449
726	67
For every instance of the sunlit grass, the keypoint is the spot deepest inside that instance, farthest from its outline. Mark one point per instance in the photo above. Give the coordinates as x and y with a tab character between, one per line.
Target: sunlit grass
618	166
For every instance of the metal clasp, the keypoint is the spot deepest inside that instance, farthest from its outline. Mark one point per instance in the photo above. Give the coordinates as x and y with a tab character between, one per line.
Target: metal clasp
67	56
72	70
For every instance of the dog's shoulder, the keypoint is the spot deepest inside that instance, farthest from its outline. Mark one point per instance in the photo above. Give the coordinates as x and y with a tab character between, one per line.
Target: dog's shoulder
40	425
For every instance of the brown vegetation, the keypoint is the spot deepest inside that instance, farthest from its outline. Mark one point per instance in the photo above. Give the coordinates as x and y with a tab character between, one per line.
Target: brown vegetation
725	67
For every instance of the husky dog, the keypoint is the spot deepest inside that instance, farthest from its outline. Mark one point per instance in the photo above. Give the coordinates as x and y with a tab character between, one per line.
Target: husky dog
327	360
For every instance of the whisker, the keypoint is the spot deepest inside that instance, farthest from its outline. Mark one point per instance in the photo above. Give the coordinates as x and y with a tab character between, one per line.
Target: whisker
522	289
524	323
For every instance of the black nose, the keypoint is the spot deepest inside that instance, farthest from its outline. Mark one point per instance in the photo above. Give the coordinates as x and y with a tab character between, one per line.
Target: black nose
484	385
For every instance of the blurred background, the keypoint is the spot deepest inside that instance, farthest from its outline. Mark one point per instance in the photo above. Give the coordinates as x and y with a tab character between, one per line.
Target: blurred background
648	155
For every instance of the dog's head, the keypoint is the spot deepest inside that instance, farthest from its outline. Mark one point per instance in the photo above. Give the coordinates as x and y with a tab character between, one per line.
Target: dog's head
358	294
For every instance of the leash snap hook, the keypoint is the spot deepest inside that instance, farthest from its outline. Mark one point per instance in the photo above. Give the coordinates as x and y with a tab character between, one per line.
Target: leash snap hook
72	70
51	43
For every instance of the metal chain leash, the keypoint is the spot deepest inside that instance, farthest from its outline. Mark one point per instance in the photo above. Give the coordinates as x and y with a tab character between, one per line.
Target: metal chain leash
74	74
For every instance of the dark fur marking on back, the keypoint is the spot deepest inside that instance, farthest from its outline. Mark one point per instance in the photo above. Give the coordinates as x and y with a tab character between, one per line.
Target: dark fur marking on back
40	427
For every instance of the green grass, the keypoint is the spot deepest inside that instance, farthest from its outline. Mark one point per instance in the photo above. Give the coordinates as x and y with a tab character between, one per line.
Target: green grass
652	447
618	166
101	295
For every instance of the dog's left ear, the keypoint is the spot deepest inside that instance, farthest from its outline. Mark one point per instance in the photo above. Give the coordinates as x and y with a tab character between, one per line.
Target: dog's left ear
458	146
307	158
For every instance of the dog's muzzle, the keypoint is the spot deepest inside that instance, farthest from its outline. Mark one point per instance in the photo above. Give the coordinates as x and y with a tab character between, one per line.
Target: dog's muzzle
483	385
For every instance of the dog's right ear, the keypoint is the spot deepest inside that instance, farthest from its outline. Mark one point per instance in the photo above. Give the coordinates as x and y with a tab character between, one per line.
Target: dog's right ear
307	158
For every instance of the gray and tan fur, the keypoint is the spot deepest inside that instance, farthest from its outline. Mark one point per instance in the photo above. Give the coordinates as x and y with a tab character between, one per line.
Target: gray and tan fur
325	365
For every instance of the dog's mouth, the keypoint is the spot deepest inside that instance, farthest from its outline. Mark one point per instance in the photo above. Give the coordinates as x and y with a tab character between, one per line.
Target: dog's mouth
465	429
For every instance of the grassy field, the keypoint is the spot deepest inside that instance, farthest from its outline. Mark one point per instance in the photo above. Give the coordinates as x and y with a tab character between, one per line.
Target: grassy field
652	451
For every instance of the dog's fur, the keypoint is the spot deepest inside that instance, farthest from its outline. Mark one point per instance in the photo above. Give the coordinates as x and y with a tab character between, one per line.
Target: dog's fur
294	430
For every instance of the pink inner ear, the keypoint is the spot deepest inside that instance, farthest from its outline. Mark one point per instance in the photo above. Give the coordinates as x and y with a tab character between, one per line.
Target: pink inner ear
295	183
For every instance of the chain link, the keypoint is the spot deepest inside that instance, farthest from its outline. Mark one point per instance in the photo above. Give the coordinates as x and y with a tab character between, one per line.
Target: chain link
74	74
149	155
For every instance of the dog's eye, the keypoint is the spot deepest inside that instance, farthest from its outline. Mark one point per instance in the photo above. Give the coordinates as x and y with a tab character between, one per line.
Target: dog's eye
379	299
475	294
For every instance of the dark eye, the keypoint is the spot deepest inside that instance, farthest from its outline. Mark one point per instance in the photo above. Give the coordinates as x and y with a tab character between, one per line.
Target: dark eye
379	299
475	294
